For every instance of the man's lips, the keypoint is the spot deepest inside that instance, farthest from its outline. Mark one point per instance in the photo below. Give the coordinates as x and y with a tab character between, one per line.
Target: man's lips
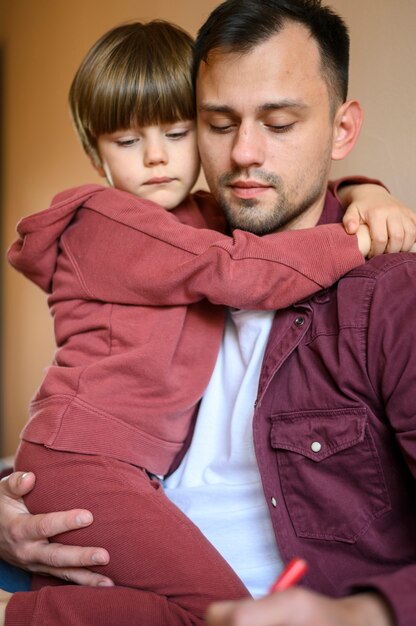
248	188
158	180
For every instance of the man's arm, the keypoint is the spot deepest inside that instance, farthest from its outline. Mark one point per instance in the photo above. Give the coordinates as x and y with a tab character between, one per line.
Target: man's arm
300	607
24	537
391	366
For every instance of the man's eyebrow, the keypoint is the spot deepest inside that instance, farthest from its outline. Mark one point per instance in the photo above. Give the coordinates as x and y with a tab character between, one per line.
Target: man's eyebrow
282	104
212	107
208	107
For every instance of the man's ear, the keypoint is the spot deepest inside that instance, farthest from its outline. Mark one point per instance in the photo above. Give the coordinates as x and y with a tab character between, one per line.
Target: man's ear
347	126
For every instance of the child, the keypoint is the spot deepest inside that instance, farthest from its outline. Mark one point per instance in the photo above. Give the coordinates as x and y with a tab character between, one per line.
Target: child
134	277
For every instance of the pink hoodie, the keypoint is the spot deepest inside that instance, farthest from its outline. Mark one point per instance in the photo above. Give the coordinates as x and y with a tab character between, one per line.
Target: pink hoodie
134	290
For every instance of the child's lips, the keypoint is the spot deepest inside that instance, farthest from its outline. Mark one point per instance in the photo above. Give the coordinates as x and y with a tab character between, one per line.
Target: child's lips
158	180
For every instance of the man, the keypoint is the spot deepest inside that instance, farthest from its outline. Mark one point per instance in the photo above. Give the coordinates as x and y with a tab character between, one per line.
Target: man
333	383
333	420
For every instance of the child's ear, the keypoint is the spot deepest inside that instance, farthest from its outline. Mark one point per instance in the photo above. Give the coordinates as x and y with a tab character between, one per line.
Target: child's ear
96	163
347	127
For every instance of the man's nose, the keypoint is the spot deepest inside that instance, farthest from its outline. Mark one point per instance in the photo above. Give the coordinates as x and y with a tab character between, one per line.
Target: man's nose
248	147
155	153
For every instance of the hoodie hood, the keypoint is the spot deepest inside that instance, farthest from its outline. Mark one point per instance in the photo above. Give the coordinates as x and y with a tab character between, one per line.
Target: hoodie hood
35	252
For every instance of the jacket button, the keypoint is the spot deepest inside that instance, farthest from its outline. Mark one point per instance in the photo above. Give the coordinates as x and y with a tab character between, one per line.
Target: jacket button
316	446
274	502
299	321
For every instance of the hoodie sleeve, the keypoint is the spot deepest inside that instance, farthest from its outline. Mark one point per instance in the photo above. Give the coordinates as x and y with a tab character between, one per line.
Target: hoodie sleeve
129	251
35	251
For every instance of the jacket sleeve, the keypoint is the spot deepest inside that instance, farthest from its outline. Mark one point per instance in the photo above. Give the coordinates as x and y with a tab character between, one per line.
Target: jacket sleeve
88	606
391	357
335	185
139	255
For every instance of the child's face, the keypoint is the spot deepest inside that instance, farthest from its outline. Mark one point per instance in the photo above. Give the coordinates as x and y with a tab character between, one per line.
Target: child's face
158	163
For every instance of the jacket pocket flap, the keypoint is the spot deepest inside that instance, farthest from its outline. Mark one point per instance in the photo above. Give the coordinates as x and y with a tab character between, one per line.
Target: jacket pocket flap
320	433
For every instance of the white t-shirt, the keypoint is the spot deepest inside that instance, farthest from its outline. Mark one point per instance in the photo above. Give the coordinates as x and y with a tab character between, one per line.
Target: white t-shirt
218	484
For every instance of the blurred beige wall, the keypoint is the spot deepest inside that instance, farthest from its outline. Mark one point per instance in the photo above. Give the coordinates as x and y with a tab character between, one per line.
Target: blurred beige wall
43	42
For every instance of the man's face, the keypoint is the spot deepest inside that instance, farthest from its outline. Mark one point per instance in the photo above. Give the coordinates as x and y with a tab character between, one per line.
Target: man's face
265	132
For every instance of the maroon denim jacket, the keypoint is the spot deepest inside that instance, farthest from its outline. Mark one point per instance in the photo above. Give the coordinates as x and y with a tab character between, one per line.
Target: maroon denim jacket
335	431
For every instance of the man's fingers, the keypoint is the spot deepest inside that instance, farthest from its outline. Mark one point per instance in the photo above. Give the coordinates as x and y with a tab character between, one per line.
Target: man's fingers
59	555
32	532
18	484
26	542
28	528
221	614
4	600
79	576
46	556
261	612
50	524
68	563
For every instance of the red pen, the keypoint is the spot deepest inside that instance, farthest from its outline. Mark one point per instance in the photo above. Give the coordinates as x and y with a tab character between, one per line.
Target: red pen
292	573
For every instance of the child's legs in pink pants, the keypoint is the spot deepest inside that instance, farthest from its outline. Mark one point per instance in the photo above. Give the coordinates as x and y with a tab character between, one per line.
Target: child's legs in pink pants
153	546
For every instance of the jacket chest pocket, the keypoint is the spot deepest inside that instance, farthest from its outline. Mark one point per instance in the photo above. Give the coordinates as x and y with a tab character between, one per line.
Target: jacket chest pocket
330	472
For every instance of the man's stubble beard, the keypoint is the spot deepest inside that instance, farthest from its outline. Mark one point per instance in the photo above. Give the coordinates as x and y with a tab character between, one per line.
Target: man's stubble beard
248	215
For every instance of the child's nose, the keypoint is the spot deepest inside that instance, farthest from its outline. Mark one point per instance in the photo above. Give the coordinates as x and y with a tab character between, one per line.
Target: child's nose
155	154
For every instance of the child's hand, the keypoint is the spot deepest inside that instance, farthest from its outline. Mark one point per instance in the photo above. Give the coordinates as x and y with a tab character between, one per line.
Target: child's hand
364	240
392	225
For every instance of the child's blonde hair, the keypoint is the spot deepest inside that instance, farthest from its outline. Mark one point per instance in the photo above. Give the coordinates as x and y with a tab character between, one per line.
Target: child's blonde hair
135	74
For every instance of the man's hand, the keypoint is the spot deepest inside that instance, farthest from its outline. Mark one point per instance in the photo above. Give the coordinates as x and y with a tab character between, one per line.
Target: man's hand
24	537
392	225
4	600
299	607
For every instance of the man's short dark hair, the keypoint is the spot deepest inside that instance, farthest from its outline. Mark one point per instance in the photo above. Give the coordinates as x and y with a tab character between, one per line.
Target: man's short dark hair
240	25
